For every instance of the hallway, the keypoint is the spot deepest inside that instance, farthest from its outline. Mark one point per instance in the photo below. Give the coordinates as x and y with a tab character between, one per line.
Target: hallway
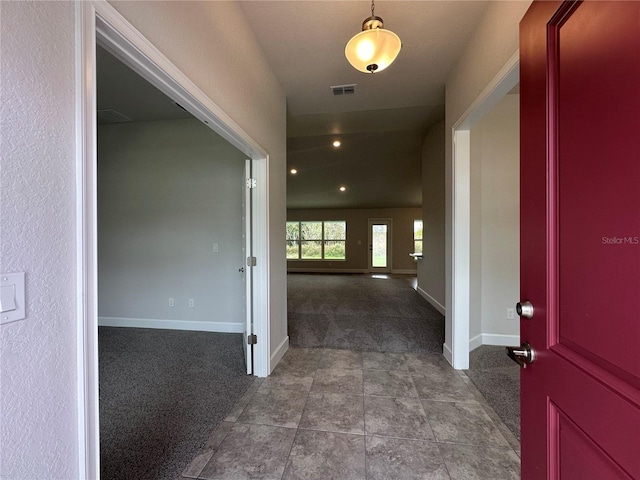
375	399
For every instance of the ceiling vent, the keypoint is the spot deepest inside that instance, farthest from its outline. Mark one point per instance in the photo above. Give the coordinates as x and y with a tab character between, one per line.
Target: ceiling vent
343	90
112	116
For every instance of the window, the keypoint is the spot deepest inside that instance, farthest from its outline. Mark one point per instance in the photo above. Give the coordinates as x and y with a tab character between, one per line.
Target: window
417	236
315	240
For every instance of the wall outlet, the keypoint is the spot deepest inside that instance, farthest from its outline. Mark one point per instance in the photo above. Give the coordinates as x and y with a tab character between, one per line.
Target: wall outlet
511	313
172	302
191	303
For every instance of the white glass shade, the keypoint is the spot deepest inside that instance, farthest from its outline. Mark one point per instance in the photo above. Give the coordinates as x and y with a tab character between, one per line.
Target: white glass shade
377	46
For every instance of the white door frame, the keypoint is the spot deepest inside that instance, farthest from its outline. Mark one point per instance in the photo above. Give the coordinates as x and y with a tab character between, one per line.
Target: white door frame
457	353
97	21
389	223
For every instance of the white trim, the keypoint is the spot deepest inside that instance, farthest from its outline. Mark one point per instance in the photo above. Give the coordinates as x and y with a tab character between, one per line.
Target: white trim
500	85
493	339
475	342
499	339
434	303
279	352
86	245
404	271
446	351
327	270
96	20
165	324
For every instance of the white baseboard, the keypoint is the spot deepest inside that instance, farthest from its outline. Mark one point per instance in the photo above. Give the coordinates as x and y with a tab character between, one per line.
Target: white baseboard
404	271
432	301
279	353
219	327
493	339
475	342
448	354
326	270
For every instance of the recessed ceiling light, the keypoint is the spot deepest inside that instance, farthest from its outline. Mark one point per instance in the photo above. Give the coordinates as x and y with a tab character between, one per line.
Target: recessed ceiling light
343	189
336	143
293	171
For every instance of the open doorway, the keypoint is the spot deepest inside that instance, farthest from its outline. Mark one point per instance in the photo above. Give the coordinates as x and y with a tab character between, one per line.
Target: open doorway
172	283
101	24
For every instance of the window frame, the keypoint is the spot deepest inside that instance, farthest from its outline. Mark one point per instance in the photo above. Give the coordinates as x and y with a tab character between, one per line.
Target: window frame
323	240
421	239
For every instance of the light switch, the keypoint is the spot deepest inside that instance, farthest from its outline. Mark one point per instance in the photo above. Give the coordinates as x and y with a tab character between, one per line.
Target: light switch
7	298
215	248
12	297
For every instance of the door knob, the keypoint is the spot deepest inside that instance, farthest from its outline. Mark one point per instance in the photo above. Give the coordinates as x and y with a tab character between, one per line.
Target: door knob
524	309
523	355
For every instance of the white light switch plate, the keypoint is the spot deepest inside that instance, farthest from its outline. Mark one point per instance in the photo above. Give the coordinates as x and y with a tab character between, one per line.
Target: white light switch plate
12	286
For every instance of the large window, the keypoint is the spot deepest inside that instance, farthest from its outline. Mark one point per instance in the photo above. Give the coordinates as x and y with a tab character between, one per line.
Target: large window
315	240
417	236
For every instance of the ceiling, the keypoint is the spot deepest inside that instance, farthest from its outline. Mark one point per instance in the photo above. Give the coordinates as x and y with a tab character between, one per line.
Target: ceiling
380	127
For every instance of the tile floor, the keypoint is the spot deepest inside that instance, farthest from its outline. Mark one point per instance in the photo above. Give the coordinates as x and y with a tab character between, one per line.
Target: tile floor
342	414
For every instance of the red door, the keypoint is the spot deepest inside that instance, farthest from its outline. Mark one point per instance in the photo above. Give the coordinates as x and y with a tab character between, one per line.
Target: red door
580	239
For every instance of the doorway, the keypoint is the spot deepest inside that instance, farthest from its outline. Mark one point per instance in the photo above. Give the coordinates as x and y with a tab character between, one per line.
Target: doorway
380	247
100	23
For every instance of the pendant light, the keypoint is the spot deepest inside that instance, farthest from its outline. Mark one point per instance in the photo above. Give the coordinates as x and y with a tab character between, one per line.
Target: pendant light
374	48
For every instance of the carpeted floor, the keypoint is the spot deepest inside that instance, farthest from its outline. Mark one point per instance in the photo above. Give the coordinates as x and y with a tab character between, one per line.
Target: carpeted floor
498	379
378	313
162	393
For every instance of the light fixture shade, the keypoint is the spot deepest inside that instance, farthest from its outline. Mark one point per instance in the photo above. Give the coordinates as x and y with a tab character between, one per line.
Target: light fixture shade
373	50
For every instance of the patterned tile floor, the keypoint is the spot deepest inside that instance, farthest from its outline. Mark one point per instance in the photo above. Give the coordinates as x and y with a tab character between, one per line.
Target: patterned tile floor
342	414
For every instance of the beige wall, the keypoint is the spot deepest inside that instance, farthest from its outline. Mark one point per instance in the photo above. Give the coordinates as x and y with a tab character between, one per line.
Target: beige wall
491	45
495	224
212	44
357	246
431	273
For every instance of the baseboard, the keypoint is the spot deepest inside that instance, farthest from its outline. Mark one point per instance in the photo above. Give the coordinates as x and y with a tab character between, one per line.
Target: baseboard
432	301
219	327
404	272
493	339
448	354
279	353
475	342
502	340
326	270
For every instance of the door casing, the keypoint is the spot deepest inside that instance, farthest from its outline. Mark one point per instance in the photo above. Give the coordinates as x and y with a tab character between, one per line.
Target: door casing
99	22
456	346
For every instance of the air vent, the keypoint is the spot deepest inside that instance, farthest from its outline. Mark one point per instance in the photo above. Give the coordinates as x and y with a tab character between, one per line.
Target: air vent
343	90
112	116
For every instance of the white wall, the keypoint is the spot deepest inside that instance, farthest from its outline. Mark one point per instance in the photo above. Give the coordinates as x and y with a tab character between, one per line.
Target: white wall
491	45
431	269
212	44
167	191
38	405
495	224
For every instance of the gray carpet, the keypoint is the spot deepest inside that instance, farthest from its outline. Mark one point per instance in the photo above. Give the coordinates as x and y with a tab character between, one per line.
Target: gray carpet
498	379
162	393
361	312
